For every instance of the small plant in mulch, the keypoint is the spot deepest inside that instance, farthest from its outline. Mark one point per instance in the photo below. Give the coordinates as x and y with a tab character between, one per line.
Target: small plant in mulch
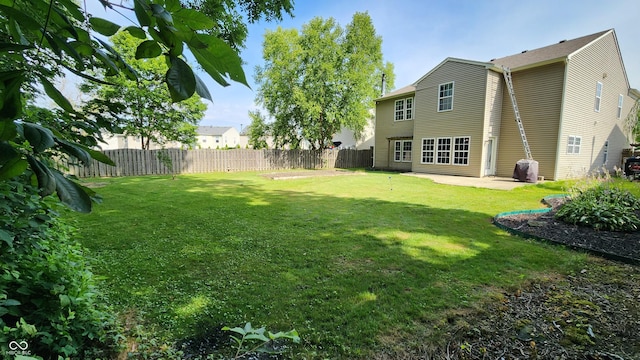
602	207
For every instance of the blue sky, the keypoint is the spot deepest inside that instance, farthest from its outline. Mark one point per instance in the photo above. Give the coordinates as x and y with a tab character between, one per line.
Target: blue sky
418	35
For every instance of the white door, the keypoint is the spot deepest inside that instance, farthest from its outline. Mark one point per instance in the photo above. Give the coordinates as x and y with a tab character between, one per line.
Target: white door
489	164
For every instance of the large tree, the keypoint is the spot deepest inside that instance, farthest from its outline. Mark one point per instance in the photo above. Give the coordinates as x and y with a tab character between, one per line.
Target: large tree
47	295
143	107
231	16
319	80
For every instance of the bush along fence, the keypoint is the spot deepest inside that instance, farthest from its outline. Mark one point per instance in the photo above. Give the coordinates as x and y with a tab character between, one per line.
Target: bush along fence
131	162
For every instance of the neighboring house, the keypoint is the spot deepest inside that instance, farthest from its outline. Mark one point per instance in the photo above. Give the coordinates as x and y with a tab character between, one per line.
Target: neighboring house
458	119
119	141
347	138
217	137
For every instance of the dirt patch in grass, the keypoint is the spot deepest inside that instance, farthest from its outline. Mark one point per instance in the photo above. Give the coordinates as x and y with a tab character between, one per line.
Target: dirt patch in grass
309	173
592	314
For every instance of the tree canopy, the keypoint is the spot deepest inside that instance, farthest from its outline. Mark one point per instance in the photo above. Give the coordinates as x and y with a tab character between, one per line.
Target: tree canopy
40	38
231	16
321	79
143	107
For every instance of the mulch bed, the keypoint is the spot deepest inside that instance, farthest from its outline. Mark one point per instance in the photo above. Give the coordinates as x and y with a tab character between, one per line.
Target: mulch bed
614	244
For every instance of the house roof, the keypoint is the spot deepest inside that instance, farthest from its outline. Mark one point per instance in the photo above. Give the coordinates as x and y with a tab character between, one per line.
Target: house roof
402	91
212	130
528	58
451	59
547	54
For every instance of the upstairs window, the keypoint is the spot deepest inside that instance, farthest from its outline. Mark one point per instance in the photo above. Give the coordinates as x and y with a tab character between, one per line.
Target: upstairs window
573	144
598	96
620	100
445	97
403	109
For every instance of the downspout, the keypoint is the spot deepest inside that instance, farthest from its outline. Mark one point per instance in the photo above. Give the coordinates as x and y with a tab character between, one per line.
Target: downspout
560	122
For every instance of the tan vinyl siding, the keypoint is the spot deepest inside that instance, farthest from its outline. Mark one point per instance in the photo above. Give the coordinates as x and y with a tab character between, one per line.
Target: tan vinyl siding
598	62
387	128
539	95
466	118
493	115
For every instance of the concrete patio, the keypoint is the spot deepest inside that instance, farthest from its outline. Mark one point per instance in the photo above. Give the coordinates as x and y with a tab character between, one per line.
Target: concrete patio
489	182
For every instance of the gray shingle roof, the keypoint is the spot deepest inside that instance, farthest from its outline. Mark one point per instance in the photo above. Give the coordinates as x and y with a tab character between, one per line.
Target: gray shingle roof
548	53
543	55
405	90
212	130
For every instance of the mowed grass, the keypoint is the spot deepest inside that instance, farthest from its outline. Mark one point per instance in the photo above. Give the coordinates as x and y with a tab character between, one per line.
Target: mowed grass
354	263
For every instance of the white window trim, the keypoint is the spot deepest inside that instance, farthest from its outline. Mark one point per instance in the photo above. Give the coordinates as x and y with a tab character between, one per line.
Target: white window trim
605	152
571	145
423	151
404	109
453	151
402	151
620	102
437	158
598	101
453	88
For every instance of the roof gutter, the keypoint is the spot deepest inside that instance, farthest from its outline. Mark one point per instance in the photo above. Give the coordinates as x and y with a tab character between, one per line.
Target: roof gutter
497	68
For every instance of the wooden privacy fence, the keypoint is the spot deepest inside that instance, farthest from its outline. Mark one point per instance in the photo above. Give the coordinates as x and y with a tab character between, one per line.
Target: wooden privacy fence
130	162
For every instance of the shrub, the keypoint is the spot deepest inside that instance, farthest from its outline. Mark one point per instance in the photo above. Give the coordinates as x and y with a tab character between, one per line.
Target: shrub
602	207
48	297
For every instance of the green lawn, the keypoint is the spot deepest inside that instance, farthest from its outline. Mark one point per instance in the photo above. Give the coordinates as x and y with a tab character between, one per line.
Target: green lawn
354	263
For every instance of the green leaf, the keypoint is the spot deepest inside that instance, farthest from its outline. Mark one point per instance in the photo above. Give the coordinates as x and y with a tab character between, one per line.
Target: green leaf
140	7
14	47
195	20
103	26
25	21
160	12
136	32
46	181
71	194
13	168
56	95
74	150
6	237
64	300
260	337
237	330
218	59
148	49
101	157
202	90
82	48
7	130
10	94
11	302
180	80
38	136
173	5
3	311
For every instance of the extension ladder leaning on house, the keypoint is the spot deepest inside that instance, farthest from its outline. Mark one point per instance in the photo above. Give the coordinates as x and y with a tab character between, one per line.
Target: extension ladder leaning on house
526	169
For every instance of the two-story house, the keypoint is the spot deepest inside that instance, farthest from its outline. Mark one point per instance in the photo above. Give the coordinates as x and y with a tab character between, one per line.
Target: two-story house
458	119
217	137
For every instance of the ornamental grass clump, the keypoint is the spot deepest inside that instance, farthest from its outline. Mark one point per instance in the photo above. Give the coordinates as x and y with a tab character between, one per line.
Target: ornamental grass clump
602	207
